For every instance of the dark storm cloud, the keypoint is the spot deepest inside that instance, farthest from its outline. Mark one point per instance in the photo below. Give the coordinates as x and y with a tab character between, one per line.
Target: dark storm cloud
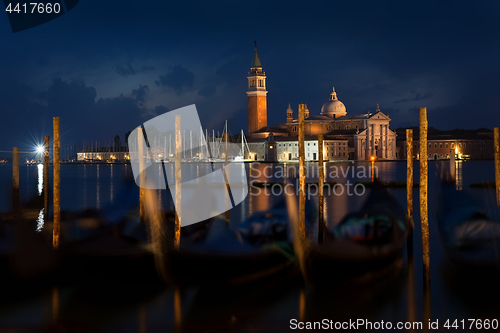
442	55
208	91
140	93
178	78
70	96
82	116
418	97
128	70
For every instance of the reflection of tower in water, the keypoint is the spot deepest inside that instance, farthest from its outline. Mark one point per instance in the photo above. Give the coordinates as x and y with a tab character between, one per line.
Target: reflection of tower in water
111	186
98	199
458	173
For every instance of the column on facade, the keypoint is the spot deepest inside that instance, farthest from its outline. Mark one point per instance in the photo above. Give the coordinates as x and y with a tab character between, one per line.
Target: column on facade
372	149
367	142
386	141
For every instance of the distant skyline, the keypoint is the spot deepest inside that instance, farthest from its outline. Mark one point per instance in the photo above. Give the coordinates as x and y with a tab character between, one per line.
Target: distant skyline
106	67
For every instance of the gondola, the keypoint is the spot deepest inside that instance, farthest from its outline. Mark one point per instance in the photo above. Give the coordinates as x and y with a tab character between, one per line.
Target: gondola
260	247
470	236
364	244
94	244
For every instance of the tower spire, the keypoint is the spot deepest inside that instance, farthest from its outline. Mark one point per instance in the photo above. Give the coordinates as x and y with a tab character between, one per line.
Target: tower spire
256	60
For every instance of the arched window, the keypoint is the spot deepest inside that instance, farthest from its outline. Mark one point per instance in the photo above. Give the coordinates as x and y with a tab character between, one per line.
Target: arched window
329	128
294	129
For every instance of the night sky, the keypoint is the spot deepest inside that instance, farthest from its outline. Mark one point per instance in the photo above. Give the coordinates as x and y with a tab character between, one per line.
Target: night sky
107	66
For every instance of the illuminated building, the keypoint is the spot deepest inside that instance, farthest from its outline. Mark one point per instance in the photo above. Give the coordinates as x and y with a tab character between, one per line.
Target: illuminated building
347	137
466	144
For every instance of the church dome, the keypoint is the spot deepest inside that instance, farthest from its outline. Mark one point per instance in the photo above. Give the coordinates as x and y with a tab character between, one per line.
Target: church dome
333	108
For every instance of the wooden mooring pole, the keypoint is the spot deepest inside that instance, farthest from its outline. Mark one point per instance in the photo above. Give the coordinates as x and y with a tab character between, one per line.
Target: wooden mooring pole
409	177
424	214
57	184
46	177
15	179
178	180
302	175
142	175
497	164
321	184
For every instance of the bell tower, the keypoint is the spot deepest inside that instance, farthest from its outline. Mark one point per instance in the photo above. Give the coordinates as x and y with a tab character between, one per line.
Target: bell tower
289	114
257	95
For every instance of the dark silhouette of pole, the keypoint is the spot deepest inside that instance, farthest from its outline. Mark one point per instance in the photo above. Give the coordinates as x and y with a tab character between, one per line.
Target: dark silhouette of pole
46	177
57	184
497	164
15	179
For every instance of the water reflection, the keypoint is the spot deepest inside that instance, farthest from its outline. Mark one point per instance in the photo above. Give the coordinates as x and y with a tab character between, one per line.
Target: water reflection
459	174
40	220
111	186
40	178
98	198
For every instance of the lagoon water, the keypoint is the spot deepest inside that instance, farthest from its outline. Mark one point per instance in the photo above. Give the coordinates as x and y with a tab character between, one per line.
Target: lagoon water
270	308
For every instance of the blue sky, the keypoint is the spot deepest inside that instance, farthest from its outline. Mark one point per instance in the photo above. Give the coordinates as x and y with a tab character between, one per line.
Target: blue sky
107	66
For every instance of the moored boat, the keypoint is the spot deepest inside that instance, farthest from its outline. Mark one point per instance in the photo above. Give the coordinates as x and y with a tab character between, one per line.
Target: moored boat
364	244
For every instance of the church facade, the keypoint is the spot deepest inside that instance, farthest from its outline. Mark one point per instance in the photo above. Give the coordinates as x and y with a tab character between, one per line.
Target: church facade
346	137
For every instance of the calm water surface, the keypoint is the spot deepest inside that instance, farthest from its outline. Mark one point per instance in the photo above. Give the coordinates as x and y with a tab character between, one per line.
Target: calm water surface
270	307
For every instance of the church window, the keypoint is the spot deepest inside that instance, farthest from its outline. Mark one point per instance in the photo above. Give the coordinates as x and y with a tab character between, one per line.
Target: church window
329	128
294	129
347	127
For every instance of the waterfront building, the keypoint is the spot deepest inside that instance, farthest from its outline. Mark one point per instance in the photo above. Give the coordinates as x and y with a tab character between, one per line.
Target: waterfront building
104	154
347	137
465	144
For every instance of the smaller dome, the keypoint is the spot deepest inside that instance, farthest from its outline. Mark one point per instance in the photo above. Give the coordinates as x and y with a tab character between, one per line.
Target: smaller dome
333	108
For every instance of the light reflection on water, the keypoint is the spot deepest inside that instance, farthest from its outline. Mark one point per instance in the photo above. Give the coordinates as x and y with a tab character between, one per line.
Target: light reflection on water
81	188
40	178
40	221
